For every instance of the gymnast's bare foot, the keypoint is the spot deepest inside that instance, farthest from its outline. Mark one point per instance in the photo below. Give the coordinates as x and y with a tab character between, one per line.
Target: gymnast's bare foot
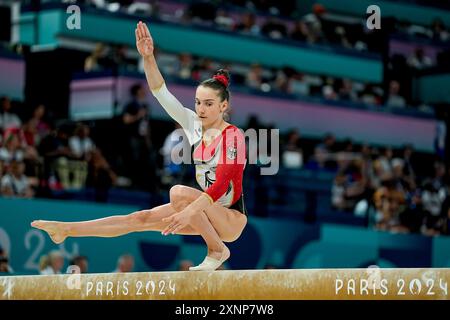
53	228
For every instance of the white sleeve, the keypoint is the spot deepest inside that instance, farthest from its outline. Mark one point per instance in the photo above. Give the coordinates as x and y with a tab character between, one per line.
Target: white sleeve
187	118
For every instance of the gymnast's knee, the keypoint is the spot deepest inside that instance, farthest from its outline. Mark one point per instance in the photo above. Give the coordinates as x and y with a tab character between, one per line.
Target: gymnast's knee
231	238
179	197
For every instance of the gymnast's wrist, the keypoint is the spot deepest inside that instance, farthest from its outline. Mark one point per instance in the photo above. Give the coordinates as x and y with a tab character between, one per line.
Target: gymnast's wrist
210	199
150	56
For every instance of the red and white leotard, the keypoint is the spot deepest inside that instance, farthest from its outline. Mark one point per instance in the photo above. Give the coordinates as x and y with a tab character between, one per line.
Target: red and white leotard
219	166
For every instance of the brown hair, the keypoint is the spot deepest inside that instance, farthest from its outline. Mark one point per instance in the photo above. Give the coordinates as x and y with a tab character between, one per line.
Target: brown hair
220	82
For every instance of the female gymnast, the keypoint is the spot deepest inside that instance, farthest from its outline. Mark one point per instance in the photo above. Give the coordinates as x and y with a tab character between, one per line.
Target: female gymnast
216	212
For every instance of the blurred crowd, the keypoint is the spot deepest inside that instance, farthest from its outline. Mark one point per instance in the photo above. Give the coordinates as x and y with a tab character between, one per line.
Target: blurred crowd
278	20
395	92
392	189
397	190
286	81
37	155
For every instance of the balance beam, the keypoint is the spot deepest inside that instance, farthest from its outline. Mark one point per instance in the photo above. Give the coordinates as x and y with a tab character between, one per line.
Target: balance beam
304	284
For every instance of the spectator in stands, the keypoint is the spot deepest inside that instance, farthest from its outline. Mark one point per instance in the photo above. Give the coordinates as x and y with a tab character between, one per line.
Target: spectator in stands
342	37
81	262
438	179
313	22
439	31
348	146
338	191
409	163
300	31
389	203
413	216
344	163
56	152
281	80
297	85
394	98
149	8
121	61
36	128
101	4
136	135
368	96
377	174
439	140
347	91
125	263
385	162
15	148
432	199
418	60
353	167
12	149
367	159
31	157
254	77
224	20
15	183
328	91
292	155
81	145
248	25
8	119
52	263
323	157
274	28
185	66
202	70
82	148
401	182
96	61
101	177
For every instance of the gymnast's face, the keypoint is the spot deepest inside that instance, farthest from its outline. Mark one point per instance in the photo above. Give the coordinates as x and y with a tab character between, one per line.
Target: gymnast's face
209	106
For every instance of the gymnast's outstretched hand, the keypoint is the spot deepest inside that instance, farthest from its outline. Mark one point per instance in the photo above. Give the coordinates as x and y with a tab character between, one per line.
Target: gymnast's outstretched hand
144	41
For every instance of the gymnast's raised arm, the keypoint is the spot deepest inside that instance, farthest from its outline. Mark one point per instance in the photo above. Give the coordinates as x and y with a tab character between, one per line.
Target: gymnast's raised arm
156	83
